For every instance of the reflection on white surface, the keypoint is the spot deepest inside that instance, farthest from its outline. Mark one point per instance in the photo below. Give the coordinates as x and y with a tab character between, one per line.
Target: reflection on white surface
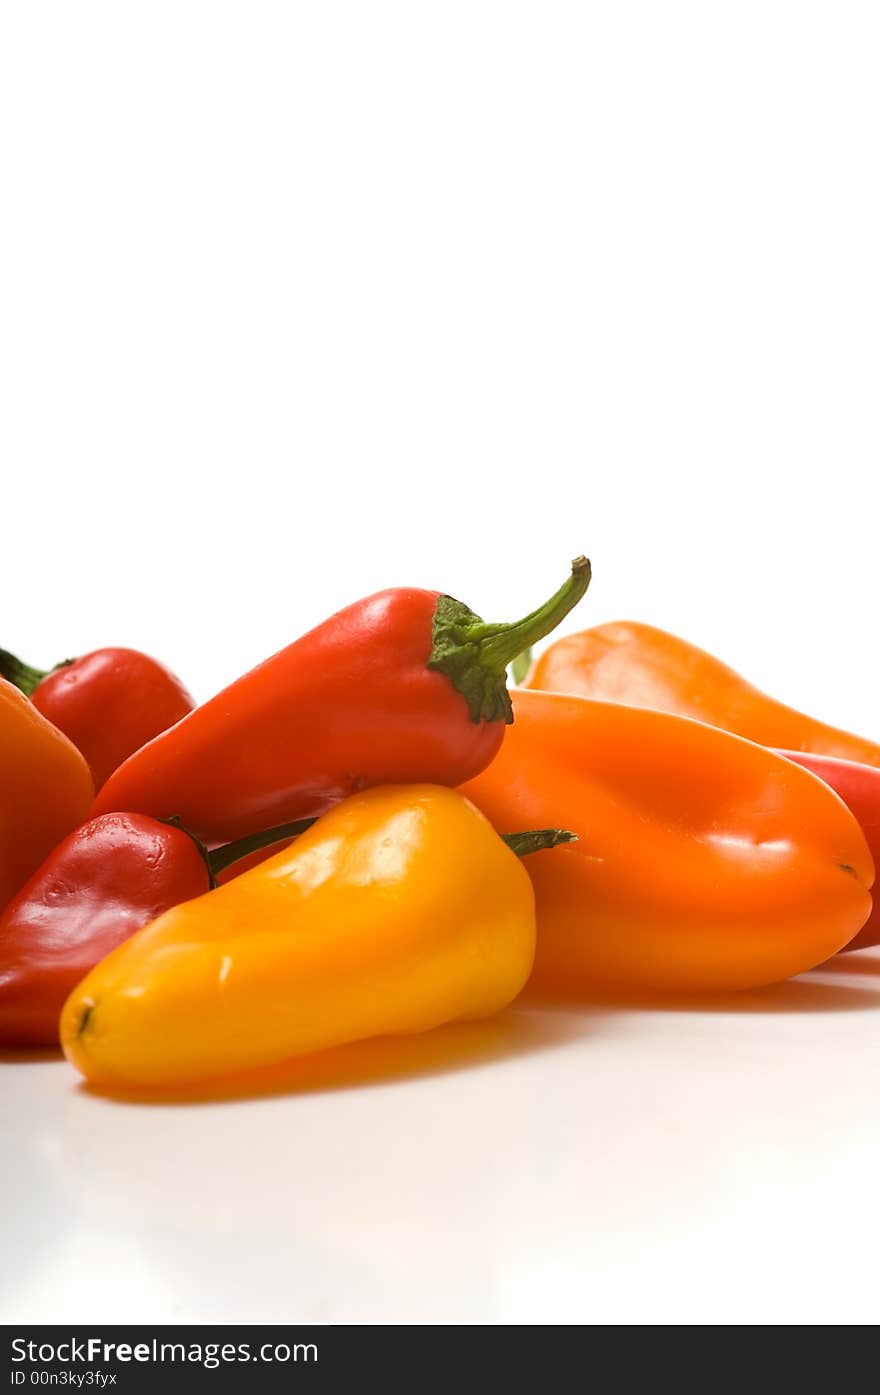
595	1164
118	1284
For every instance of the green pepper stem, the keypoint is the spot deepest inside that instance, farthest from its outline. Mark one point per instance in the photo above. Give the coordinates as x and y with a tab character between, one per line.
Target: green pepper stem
500	644
22	675
218	859
537	840
221	858
520	666
474	656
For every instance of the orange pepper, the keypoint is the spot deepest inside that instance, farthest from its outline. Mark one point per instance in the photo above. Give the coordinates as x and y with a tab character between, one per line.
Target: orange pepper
46	789
643	667
397	911
703	862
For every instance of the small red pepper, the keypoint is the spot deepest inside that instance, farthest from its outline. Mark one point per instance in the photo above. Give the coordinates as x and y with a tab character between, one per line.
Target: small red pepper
859	787
401	688
108	703
103	882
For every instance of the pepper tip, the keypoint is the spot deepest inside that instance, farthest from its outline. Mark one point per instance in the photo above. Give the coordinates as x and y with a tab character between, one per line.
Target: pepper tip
85	1017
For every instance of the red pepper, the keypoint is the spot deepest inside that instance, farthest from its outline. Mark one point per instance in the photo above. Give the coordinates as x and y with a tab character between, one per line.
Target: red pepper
103	882
404	687
108	703
859	787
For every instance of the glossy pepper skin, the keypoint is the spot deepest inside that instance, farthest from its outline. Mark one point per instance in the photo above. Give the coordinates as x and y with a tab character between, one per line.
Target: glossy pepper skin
399	910
104	881
108	878
636	664
405	686
704	862
859	788
45	788
109	703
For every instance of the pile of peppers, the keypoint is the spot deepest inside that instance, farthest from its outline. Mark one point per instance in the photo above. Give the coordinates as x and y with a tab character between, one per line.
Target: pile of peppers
369	835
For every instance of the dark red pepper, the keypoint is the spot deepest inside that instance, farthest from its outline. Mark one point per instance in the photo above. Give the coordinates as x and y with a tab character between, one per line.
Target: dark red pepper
109	703
103	882
859	787
404	687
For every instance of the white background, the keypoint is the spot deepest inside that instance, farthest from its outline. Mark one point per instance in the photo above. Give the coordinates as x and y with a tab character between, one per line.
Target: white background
298	301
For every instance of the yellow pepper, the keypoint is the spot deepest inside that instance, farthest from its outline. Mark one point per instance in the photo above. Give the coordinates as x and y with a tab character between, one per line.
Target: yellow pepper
399	910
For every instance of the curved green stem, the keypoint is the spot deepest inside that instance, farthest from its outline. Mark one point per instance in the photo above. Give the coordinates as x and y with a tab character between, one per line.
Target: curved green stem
537	840
218	859
499	644
474	656
22	675
520	666
221	858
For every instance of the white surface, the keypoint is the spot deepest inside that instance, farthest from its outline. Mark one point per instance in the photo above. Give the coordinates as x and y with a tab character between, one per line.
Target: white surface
298	301
590	1166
